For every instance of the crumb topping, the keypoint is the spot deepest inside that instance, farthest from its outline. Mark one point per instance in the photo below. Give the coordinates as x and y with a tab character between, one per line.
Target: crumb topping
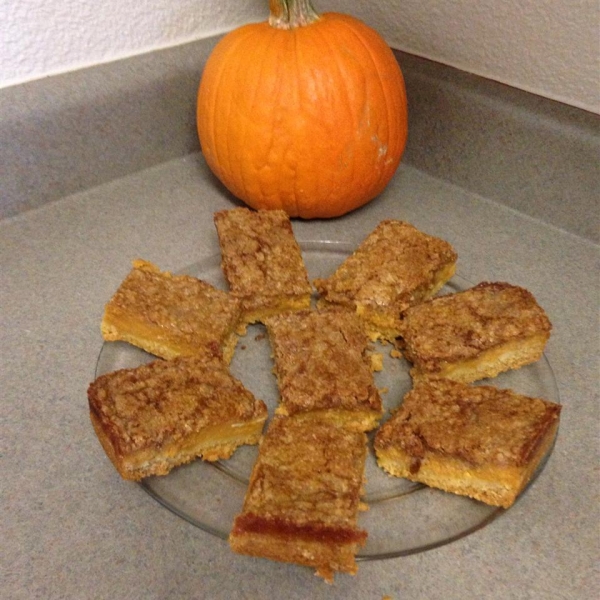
185	307
478	424
308	472
389	269
165	401
462	325
259	254
321	361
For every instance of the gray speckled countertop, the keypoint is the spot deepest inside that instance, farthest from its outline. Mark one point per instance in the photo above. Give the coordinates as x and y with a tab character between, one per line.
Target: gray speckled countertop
71	528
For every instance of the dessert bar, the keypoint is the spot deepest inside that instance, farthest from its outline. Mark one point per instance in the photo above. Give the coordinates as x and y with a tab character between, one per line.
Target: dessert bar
395	267
167	413
171	315
303	499
474	334
262	262
323	369
477	441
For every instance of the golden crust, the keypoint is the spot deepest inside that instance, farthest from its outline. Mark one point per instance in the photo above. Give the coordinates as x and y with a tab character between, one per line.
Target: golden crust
478	441
395	267
170	316
262	262
303	499
323	369
157	416
474	334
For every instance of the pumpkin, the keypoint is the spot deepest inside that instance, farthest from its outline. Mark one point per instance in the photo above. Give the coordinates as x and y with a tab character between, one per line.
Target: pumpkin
305	113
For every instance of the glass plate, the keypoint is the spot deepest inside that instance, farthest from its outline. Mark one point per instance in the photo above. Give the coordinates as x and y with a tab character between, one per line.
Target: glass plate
403	517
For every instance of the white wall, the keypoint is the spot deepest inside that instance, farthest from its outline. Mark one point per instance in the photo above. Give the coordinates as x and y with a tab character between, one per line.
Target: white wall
45	37
550	47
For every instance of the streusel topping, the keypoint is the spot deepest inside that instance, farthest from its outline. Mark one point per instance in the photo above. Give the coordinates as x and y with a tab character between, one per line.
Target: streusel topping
308	472
183	306
389	269
478	424
165	401
462	325
321	361
259	254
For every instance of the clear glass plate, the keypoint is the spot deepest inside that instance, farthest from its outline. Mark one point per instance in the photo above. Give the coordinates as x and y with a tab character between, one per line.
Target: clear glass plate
403	517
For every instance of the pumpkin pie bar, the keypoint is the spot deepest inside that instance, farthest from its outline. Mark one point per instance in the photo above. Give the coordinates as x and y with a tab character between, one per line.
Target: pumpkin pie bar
166	413
262	262
303	498
478	333
476	441
395	267
323	369
172	315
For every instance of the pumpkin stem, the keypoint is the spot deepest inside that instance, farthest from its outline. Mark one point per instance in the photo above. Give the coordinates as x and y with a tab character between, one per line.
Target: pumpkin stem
289	14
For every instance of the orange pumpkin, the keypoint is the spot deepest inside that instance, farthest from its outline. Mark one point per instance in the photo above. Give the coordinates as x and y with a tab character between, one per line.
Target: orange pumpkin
304	112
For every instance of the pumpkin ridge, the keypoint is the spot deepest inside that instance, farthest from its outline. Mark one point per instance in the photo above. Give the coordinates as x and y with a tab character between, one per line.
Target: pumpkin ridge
289	158
350	110
388	120
358	176
245	171
304	177
255	169
248	177
230	50
298	93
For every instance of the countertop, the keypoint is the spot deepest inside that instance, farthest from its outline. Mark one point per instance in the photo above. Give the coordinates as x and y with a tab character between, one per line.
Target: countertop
71	528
